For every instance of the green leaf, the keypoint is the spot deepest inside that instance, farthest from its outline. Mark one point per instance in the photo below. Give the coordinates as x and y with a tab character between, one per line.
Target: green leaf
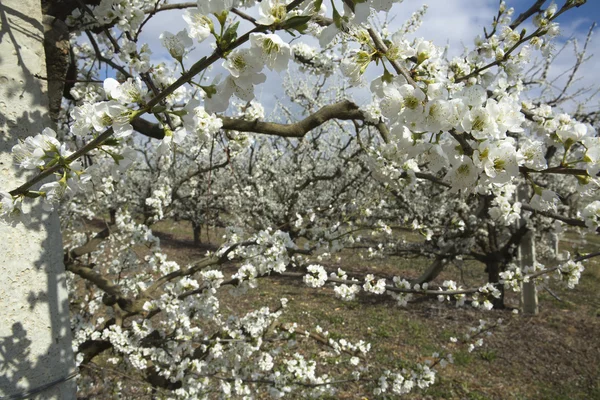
337	18
569	142
295	22
159	108
302	28
32	194
583	180
209	90
229	36
179	113
116	157
222	17
110	142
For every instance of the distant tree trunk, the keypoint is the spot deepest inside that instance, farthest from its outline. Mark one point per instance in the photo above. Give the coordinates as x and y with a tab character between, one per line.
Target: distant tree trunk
36	358
529	300
197	228
148	213
554	241
436	267
493	268
526	258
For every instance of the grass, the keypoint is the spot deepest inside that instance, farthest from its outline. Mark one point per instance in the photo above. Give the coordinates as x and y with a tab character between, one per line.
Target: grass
555	355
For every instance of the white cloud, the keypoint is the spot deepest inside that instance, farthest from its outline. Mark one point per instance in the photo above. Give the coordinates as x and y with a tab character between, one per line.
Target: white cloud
450	22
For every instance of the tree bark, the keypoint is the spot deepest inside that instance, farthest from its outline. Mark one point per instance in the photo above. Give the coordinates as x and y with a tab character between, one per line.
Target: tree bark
36	358
197	228
526	258
493	268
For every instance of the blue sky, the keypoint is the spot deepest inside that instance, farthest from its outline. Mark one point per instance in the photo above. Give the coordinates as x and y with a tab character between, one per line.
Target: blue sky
581	17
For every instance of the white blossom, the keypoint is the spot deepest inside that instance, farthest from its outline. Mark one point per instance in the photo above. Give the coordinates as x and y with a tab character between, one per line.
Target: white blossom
274	52
199	24
316	277
177	45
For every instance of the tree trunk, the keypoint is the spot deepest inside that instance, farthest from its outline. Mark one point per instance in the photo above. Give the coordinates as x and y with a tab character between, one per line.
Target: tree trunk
36	358
197	228
526	258
493	268
436	267
529	300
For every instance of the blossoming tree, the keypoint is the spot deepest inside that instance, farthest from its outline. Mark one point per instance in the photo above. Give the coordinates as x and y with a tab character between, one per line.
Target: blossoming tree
292	189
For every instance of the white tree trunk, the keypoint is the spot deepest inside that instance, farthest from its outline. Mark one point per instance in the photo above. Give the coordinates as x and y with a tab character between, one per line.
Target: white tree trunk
529	299
35	335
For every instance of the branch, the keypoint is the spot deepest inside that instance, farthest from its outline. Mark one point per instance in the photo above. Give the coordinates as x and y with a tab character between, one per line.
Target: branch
556	170
148	128
243	15
528	13
387	287
566	220
87	248
579	59
538	32
344	110
200	265
94	277
198	67
47	172
462	140
196	267
400	70
177	6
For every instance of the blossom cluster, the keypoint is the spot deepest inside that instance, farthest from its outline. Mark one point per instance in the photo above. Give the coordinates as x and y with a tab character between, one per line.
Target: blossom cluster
295	203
